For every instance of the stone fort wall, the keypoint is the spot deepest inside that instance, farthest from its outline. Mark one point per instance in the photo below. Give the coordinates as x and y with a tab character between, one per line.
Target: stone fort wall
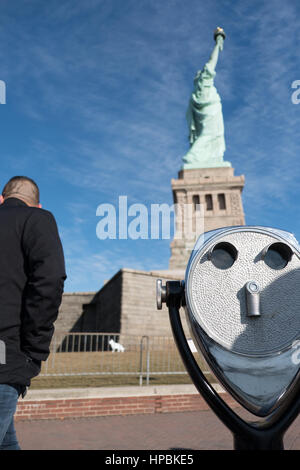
126	304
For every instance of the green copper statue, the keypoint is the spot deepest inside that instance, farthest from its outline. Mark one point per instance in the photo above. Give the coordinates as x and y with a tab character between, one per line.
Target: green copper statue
205	118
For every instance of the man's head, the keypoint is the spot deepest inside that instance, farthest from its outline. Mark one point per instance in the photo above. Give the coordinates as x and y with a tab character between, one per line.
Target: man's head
23	188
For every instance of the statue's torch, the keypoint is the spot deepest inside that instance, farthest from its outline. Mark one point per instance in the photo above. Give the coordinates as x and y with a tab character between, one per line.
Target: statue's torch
219	32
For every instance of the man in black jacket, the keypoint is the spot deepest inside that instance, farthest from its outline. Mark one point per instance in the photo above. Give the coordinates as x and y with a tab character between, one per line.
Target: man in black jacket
32	274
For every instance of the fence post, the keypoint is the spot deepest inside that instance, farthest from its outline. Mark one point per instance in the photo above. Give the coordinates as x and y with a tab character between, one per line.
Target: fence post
147	360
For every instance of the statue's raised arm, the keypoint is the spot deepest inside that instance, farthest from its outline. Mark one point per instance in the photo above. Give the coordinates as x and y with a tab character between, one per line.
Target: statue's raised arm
204	116
215	53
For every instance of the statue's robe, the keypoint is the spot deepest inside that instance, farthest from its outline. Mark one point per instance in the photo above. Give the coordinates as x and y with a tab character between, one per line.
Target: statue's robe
205	121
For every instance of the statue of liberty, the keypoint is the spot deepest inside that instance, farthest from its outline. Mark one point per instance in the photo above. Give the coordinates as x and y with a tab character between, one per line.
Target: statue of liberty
205	118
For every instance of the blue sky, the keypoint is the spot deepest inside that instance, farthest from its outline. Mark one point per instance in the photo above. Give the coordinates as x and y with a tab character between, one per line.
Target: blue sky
97	92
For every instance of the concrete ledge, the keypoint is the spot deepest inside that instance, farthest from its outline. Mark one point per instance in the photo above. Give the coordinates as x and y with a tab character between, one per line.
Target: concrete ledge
92	402
108	392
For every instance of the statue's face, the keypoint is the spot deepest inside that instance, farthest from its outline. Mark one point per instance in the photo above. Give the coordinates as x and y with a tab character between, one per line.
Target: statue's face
204	95
197	79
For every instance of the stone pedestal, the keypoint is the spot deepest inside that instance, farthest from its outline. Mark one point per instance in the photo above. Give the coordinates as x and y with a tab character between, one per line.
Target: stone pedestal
206	199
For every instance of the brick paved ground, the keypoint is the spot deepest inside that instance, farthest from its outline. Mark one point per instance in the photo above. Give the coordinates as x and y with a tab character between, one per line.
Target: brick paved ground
199	430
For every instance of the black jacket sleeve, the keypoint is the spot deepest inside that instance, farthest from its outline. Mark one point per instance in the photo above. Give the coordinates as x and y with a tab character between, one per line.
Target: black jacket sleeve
45	270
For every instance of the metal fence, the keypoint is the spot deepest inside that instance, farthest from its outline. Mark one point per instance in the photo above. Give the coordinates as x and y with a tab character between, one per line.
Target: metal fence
87	354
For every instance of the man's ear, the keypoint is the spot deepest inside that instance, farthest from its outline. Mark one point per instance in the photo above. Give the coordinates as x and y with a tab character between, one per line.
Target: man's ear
1	199
39	206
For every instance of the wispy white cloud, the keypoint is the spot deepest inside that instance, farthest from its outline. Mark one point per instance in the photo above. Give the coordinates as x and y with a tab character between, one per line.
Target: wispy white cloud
103	87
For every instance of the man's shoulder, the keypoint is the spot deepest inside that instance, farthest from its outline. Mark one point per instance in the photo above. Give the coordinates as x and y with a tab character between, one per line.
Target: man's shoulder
36	215
39	212
40	223
26	211
24	214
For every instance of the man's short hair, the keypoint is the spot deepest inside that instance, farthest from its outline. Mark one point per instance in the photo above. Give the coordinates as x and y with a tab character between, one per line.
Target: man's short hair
24	187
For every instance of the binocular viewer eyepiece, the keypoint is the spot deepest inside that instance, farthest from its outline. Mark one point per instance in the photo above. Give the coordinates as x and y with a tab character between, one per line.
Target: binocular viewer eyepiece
242	302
